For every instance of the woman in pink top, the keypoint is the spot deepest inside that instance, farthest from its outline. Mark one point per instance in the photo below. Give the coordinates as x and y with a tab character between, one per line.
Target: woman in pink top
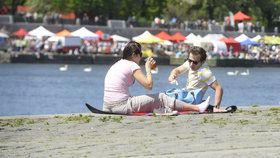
123	74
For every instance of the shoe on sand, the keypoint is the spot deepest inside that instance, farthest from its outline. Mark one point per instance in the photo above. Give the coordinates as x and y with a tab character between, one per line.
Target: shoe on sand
164	112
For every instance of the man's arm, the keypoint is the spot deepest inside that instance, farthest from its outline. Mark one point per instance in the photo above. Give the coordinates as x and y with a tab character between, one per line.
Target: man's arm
175	72
218	93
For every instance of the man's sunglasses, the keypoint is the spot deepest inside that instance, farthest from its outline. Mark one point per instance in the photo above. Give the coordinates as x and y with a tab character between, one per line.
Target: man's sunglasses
192	61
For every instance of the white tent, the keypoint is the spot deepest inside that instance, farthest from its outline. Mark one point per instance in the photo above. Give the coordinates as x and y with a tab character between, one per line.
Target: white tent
214	37
54	38
257	38
191	39
40	32
84	33
3	35
117	38
241	38
191	36
219	46
146	37
166	43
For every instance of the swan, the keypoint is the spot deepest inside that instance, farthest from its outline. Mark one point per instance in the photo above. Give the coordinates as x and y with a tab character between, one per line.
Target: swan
245	73
232	73
63	68
87	69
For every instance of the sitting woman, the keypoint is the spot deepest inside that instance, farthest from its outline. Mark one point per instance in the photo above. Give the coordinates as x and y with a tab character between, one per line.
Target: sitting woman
123	74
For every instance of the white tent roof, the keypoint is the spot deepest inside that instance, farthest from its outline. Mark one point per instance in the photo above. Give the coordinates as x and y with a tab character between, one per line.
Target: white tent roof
215	37
40	32
55	38
241	38
196	40
191	39
167	43
84	33
191	36
117	38
257	38
219	46
146	37
3	35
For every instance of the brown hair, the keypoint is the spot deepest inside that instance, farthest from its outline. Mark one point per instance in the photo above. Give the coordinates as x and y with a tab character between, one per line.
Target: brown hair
195	50
131	48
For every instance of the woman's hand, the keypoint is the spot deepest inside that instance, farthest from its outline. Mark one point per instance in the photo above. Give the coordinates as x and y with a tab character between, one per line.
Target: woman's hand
150	64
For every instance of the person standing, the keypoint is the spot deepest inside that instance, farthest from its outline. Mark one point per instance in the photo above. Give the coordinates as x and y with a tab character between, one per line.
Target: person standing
199	74
123	74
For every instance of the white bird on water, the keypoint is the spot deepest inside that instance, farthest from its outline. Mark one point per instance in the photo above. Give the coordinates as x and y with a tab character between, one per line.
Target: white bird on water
230	73
87	69
63	68
245	73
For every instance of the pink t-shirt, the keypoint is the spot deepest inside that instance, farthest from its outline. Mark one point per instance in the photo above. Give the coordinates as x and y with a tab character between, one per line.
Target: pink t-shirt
118	80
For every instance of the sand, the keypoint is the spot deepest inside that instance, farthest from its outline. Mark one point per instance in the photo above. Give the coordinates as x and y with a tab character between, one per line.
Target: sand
250	132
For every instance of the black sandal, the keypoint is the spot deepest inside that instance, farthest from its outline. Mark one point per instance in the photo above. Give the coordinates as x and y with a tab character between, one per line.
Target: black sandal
231	109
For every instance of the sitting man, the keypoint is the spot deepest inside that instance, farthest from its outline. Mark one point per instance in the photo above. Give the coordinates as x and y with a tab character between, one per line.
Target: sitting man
199	75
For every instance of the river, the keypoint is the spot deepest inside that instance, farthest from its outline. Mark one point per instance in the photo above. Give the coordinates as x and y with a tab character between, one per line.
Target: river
35	89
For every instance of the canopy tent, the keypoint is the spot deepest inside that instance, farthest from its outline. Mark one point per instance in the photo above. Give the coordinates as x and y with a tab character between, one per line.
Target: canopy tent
163	35
219	47
146	37
85	34
64	33
249	42
190	36
3	35
241	38
178	37
199	41
239	16
231	42
271	40
20	32
117	38
256	38
40	32
215	37
55	38
191	39
166	43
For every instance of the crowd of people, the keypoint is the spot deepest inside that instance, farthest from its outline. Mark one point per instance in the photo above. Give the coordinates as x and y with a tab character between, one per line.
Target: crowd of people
87	47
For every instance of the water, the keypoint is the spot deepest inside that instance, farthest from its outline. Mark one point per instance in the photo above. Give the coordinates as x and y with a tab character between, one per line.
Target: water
28	89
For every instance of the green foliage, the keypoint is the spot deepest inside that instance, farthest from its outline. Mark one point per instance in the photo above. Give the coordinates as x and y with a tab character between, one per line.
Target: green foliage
265	11
79	118
218	121
16	122
117	119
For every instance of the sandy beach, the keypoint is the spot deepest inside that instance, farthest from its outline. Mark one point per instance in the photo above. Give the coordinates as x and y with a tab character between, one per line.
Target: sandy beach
250	132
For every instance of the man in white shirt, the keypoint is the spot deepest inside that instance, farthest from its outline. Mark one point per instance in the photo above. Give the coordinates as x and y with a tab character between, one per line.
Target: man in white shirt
199	74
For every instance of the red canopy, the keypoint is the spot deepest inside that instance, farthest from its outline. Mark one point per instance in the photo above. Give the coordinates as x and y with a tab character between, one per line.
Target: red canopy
163	35
178	37
239	16
20	33
231	42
